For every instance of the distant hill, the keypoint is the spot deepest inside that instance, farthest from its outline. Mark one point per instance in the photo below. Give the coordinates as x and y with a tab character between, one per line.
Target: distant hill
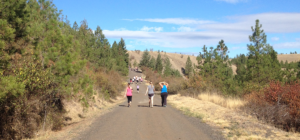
175	59
289	57
178	62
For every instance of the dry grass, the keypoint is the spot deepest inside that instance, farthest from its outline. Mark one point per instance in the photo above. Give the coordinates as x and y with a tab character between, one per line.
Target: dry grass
288	57
79	117
233	123
231	103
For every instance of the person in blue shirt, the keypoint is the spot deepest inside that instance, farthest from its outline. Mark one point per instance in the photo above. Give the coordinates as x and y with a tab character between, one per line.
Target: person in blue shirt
164	93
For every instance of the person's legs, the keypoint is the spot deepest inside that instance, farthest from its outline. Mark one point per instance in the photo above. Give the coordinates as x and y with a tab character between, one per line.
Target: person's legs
152	101
165	99
162	99
129	100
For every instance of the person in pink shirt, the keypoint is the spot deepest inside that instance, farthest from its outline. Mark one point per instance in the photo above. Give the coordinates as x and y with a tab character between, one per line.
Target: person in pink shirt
128	93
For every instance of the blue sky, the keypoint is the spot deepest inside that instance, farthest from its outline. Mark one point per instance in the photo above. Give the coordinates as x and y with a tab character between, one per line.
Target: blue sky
186	25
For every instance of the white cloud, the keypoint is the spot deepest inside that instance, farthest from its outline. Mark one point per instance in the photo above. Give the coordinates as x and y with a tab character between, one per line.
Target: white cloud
297	39
232	1
178	21
196	33
121	29
130	47
287	45
275	38
271	23
156	29
186	29
179	39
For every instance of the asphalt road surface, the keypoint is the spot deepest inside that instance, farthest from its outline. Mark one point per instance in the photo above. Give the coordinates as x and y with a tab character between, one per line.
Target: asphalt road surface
140	122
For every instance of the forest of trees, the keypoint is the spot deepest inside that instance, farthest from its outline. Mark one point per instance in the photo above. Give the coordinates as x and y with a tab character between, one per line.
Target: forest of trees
254	70
44	60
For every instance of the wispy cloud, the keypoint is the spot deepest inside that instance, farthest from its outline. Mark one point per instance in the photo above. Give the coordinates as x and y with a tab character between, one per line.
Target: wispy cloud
271	23
233	1
179	39
178	21
156	29
290	45
275	38
186	29
196	33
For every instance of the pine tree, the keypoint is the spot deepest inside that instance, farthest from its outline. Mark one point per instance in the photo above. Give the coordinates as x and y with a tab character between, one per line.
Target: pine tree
159	65
259	60
14	21
152	63
168	67
145	59
75	26
188	67
222	48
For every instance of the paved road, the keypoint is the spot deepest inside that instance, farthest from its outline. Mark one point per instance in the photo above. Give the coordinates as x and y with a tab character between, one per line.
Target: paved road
139	122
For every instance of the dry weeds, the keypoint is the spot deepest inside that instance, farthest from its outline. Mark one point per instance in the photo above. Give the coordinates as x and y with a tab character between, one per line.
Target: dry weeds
232	122
231	103
78	117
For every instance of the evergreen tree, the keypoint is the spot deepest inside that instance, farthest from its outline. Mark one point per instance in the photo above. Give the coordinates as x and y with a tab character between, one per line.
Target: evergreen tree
199	58
159	65
168	67
75	26
14	30
152	63
281	63
145	59
188	67
258	65
222	48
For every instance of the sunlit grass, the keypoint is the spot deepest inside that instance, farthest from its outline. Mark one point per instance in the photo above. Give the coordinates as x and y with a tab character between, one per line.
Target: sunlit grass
231	103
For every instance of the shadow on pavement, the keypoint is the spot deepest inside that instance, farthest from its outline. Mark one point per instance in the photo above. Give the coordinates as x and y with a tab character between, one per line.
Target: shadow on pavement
143	105
157	105
122	105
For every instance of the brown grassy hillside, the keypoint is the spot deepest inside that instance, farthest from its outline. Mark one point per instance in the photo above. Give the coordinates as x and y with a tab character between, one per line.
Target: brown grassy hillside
175	59
288	57
178	62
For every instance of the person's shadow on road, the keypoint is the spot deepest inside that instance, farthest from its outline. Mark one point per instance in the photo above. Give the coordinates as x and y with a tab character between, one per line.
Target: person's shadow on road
143	105
148	105
122	106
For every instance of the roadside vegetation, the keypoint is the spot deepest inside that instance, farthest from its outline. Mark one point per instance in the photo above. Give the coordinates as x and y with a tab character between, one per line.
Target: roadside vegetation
262	86
45	61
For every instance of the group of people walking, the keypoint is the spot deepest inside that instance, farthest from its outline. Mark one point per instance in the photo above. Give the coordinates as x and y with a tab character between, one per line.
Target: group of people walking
136	79
150	91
